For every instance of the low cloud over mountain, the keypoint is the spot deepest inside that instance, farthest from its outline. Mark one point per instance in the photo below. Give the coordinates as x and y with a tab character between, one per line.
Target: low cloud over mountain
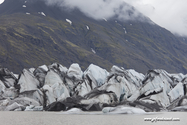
99	9
170	14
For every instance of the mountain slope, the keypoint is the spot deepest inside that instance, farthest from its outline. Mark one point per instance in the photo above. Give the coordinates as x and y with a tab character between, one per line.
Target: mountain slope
32	34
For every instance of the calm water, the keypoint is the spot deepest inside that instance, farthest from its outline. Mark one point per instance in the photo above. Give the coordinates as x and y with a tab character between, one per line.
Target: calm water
54	118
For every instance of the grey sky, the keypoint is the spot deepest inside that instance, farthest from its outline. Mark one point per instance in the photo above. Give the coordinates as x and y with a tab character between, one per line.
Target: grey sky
170	14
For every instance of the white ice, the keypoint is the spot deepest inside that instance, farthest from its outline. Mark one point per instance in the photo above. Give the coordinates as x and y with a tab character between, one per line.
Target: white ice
97	74
28	81
56	90
123	110
75	71
44	67
34	108
176	92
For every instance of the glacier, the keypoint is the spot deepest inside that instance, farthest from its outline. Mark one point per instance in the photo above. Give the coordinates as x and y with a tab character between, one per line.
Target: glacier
118	91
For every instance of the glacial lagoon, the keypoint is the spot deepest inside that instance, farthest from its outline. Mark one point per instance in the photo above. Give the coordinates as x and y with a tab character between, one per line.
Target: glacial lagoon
92	118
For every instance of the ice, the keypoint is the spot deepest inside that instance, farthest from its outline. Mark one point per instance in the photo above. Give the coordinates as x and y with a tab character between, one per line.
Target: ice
155	90
96	74
54	87
74	110
176	92
26	101
2	87
104	98
16	75
83	88
120	86
123	84
34	108
180	108
123	110
69	21
5	102
75	71
37	95
91	90
31	70
136	77
44	67
148	101
13	106
10	93
28	81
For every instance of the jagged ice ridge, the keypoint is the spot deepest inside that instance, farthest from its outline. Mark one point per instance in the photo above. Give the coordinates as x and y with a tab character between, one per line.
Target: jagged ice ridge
57	88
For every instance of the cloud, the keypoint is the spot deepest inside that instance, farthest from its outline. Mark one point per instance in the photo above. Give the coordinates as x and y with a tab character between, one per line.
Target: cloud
99	9
1	1
170	14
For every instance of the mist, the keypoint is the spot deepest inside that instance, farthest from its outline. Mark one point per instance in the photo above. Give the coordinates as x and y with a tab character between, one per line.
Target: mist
99	9
170	14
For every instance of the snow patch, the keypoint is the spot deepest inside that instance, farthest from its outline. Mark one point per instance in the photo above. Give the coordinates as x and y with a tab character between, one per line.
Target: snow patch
93	51
42	13
87	27
24	6
69	21
105	19
28	13
125	30
123	110
130	24
25	1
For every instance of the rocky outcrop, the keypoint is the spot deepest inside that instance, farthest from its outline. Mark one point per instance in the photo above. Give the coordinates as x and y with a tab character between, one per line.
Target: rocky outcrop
56	88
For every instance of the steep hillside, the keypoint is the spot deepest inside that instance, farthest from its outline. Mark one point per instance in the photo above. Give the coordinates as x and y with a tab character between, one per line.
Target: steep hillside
32	34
